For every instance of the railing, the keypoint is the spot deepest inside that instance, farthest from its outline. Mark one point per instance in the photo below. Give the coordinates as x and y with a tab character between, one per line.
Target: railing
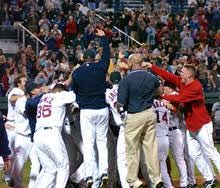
127	37
26	37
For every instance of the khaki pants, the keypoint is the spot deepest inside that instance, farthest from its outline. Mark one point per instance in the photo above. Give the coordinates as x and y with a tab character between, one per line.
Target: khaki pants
140	132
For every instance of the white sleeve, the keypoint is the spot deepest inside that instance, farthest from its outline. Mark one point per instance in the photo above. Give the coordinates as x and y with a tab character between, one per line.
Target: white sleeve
214	107
106	96
15	91
20	105
67	97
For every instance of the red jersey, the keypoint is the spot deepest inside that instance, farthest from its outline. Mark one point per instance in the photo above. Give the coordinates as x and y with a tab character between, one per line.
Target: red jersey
191	96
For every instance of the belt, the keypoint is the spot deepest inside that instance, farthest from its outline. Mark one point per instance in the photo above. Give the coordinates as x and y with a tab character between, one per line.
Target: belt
172	128
47	128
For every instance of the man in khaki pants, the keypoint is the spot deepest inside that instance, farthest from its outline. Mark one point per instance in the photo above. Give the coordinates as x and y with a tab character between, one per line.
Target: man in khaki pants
136	93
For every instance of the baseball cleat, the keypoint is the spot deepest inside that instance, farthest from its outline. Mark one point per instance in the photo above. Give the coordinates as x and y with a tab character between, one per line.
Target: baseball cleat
209	184
8	182
160	185
104	181
89	182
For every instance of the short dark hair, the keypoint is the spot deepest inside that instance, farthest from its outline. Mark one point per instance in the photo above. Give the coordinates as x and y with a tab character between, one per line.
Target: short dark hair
17	80
169	84
88	54
60	87
192	69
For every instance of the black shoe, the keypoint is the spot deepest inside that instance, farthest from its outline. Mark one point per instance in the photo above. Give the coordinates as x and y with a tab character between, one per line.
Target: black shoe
160	185
209	184
104	181
192	186
88	182
9	183
71	184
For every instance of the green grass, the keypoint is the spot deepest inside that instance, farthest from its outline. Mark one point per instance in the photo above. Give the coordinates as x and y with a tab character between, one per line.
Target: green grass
175	173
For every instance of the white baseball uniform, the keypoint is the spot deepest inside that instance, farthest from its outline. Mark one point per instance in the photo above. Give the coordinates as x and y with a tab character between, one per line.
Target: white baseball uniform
23	146
51	149
74	145
177	143
111	99
163	117
11	121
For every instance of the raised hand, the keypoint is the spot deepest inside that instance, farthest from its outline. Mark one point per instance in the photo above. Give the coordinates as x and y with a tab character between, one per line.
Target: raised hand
146	65
99	32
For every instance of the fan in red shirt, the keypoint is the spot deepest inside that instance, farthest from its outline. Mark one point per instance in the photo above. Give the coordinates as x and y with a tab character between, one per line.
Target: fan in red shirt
198	122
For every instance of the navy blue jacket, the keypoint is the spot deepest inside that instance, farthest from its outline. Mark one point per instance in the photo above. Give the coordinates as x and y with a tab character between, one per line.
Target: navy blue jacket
89	80
31	112
136	91
4	149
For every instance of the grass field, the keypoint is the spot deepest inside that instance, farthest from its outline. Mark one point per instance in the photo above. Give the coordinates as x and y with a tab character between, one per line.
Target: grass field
175	174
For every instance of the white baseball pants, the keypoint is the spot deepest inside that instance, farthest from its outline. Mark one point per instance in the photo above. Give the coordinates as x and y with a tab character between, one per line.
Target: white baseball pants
35	166
121	158
53	157
11	141
22	147
163	151
202	142
94	128
177	143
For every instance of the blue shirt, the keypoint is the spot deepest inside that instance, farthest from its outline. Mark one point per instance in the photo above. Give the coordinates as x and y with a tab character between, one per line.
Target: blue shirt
31	112
89	81
136	91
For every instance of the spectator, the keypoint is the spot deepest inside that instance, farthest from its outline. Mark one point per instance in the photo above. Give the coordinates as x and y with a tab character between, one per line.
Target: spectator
71	30
44	23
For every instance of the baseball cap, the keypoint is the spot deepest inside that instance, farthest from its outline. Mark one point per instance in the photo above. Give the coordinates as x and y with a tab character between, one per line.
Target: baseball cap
89	54
30	86
115	77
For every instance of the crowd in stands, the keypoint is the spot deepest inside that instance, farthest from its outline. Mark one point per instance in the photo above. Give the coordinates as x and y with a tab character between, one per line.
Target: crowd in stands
169	39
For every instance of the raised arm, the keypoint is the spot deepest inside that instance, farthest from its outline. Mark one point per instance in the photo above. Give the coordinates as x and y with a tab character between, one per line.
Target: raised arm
186	95
164	74
104	43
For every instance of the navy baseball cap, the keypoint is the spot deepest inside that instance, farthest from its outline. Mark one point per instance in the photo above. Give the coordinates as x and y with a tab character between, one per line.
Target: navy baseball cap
30	86
89	54
115	77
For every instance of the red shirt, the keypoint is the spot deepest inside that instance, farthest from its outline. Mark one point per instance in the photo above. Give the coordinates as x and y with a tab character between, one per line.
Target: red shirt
192	98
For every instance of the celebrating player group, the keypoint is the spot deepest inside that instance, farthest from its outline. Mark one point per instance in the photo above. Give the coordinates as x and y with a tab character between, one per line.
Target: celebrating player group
65	129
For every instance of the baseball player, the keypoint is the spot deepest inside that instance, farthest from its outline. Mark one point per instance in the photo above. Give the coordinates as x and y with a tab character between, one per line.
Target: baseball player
10	126
163	117
111	99
198	122
22	143
176	137
74	145
35	93
51	149
89	84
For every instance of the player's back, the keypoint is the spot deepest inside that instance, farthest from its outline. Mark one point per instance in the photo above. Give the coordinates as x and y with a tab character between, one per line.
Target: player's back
51	109
163	116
